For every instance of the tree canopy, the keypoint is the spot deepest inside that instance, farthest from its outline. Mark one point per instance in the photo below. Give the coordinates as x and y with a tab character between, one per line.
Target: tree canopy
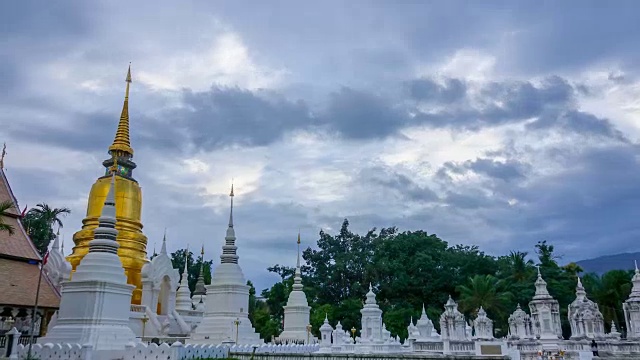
412	269
40	222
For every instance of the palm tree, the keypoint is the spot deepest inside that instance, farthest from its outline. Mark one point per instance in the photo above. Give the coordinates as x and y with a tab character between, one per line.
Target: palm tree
5	206
50	215
486	291
609	290
521	268
40	221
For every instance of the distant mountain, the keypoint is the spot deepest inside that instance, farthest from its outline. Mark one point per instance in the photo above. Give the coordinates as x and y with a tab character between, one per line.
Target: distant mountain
602	264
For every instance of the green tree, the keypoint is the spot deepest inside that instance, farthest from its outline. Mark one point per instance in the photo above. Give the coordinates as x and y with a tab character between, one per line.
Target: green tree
193	269
5	206
40	221
488	292
609	291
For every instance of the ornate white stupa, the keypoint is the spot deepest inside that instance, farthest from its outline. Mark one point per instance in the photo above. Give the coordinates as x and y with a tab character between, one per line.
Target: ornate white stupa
483	326
226	316
57	267
631	308
183	296
95	304
159	283
520	325
425	328
585	317
545	312
452	323
297	310
371	319
200	291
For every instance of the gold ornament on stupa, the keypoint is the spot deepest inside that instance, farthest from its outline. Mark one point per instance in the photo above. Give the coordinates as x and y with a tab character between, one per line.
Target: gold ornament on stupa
133	243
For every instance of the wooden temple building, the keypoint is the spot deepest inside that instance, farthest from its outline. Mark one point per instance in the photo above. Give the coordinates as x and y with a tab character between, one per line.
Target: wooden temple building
19	272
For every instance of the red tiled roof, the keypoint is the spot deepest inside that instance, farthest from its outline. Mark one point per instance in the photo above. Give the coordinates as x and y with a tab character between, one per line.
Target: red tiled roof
18	285
18	244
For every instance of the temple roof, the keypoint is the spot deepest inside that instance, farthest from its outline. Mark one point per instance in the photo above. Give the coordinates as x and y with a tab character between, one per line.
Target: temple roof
17	245
17	257
19	283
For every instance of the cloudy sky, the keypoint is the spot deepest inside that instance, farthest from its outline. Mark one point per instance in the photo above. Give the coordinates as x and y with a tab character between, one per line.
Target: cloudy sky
494	124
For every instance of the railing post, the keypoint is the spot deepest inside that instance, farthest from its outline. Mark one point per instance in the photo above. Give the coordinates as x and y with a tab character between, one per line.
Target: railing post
11	345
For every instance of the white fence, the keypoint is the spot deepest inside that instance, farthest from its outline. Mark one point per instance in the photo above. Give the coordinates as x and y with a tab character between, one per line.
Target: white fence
275	349
134	351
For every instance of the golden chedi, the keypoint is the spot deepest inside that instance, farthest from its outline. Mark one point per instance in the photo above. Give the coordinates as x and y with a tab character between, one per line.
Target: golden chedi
133	242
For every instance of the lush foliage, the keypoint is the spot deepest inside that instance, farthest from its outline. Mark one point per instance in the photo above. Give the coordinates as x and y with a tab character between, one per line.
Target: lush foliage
409	270
40	222
5	206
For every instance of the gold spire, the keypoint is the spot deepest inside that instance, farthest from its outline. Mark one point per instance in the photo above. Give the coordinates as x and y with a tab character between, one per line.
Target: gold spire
122	143
298	237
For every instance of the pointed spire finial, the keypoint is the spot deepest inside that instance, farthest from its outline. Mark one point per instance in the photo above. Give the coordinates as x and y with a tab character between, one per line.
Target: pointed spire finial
635	262
163	249
4	152
202	251
122	143
298	263
231	212
186	259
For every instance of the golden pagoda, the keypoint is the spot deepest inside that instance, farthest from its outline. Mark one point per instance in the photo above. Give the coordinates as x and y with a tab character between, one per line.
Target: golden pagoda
133	243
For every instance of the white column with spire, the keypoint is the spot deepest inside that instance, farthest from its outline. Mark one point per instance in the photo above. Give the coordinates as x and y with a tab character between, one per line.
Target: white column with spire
183	297
545	312
371	322
297	310
95	304
226	315
631	308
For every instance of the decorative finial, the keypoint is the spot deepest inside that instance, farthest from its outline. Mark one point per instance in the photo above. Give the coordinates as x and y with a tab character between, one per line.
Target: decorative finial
298	263
4	152
202	251
636	264
122	143
186	259
114	168
538	267
231	212
163	249
129	73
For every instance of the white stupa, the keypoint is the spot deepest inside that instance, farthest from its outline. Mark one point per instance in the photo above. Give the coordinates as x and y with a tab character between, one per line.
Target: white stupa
226	316
631	308
297	310
371	319
183	296
95	304
545	312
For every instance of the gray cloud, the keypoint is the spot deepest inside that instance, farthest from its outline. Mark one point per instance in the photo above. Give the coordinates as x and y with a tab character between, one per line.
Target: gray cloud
428	90
355	78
